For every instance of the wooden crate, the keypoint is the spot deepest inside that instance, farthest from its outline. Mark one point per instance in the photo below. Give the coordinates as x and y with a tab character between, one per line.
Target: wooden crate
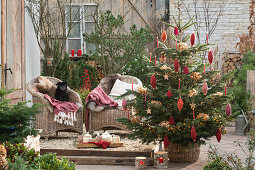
92	145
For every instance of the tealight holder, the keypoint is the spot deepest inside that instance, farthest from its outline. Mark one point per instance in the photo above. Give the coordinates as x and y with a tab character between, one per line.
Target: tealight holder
140	163
160	159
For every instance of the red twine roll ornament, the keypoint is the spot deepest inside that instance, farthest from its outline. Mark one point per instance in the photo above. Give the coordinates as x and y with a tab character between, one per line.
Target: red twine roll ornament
153	81
186	70
171	120
169	94
193	134
176	65
218	135
228	110
210	57
180	104
164	36
205	88
192	39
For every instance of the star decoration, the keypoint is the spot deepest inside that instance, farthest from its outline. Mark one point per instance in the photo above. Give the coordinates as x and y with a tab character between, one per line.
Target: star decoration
161	160
192	105
148	111
169	93
141	162
166	76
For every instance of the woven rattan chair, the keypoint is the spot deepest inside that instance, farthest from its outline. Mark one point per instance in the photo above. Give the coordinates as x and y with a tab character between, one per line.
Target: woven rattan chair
44	120
106	119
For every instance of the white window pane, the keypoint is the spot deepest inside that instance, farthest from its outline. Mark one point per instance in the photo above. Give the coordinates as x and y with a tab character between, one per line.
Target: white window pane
89	27
74	45
90	48
75	31
89	12
73	13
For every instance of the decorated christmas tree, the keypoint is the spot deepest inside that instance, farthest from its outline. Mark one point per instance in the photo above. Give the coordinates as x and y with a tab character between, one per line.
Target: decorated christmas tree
187	101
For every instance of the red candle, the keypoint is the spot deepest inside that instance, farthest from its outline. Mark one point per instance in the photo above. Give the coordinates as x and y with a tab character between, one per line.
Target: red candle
155	60
145	95
207	38
194	114
157	42
225	89
176	45
79	52
132	85
150	57
204	68
72	51
179	85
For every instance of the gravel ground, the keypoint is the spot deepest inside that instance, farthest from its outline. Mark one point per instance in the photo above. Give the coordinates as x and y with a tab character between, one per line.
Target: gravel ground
68	141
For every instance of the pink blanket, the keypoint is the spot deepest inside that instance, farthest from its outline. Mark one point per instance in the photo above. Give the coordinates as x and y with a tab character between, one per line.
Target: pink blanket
61	106
101	98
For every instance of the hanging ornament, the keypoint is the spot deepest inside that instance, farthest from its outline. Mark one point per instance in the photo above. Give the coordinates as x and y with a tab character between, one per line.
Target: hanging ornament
193	105
148	111
176	65
205	88
50	61
186	70
164	36
218	135
166	76
124	104
153	81
166	142
171	120
180	104
192	39
169	93
226	89
210	57
228	110
176	31
193	133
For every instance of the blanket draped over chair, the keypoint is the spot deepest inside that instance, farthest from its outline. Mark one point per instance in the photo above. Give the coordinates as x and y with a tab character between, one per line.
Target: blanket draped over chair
101	98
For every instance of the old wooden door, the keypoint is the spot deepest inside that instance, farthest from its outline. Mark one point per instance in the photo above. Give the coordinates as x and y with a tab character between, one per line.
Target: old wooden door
12	41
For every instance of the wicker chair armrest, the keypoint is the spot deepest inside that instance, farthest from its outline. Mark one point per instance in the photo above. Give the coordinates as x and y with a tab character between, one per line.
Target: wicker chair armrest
74	96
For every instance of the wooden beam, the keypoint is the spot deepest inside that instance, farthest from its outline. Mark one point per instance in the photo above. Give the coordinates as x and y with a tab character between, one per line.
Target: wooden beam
141	15
3	40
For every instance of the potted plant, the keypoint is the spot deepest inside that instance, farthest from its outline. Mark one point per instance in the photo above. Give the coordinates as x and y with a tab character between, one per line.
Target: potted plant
185	103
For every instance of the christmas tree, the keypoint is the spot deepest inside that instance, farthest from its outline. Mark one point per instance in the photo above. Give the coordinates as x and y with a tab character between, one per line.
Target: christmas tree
186	101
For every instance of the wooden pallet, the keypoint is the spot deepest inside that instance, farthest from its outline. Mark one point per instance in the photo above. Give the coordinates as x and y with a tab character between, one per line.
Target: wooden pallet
92	145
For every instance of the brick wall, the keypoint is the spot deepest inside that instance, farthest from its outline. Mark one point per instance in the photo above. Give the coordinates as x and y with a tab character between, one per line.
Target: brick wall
232	23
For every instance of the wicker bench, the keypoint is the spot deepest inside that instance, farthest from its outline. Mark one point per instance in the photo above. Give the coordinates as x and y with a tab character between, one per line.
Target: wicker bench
44	120
106	119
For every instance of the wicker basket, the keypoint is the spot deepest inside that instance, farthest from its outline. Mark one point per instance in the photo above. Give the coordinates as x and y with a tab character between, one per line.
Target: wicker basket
181	153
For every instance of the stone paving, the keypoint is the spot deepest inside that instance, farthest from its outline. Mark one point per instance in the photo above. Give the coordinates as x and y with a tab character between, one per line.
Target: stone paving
227	145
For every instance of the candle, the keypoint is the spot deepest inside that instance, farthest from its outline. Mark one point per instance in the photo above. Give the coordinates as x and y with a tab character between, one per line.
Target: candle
145	95
225	89
150	57
179	85
204	68
72	51
176	45
207	39
194	114
79	52
155	60
157	42
132	85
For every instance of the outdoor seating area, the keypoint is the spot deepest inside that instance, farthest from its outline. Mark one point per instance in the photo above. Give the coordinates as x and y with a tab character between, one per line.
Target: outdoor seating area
126	85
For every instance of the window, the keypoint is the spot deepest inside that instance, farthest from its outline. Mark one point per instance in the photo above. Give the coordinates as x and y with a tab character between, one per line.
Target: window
80	20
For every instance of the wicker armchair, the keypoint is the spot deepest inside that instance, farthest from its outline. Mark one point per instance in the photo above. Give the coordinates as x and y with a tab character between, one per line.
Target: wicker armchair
106	119
44	120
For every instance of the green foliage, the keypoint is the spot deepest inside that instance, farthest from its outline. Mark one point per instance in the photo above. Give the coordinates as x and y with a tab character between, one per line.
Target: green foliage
154	126
19	150
15	119
19	164
115	49
52	162
242	98
232	160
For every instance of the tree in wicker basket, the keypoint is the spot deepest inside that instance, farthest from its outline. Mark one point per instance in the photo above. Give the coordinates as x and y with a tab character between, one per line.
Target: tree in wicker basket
186	102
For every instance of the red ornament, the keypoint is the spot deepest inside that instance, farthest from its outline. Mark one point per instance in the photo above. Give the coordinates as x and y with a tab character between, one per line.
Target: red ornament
153	81
180	104
192	39
176	65
210	57
218	135
164	36
193	133
205	88
169	94
161	160
186	70
171	120
124	104
176	31
228	110
166	142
